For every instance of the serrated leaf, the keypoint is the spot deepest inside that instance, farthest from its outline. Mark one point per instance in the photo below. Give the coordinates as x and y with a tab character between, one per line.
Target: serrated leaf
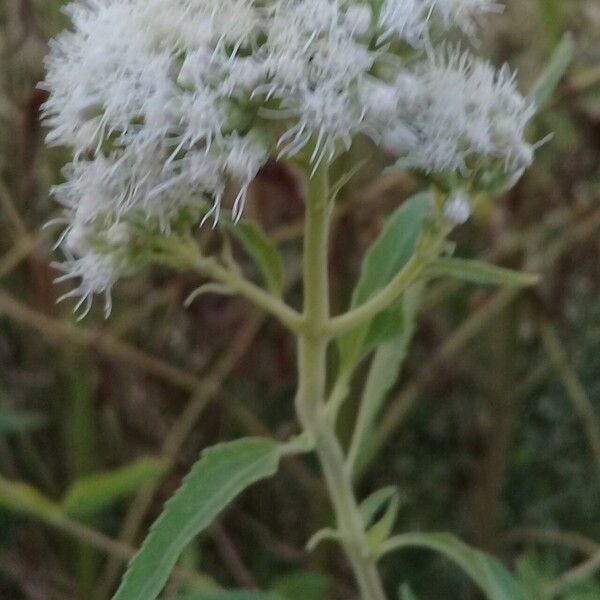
220	475
95	492
263	251
383	261
13	421
22	498
486	571
478	272
554	71
302	585
371	505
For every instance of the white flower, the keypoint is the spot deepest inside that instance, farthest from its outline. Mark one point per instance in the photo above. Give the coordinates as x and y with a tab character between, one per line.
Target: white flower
166	103
464	13
97	274
460	108
316	63
411	20
457	208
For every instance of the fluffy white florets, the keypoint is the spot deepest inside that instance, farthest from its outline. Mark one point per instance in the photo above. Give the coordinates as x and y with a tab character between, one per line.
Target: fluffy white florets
454	111
165	103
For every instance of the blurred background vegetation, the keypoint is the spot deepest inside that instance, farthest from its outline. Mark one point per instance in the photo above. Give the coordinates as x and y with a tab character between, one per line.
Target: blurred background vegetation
491	432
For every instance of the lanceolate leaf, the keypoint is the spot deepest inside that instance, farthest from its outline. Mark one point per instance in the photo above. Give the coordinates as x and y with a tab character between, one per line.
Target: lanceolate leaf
381	530
486	571
262	250
383	373
97	491
478	272
220	475
324	535
372	505
556	68
385	259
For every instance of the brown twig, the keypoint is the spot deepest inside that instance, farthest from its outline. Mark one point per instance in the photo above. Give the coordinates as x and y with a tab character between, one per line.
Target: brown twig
231	557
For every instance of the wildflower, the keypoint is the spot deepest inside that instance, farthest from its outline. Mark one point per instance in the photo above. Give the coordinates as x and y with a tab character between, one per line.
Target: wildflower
460	109
412	20
97	273
166	103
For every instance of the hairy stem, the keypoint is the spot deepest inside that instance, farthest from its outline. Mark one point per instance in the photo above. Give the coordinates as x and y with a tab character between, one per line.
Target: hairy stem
310	400
365	312
236	283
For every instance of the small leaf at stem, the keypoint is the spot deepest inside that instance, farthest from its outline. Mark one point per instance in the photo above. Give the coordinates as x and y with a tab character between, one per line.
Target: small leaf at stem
262	250
486	571
220	475
381	530
383	261
327	534
371	505
383	373
478	272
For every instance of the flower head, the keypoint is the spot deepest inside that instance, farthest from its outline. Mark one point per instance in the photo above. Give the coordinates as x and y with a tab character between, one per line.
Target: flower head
460	110
167	103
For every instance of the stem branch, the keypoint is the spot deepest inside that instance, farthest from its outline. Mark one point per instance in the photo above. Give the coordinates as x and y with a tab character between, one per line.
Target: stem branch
237	283
365	312
310	400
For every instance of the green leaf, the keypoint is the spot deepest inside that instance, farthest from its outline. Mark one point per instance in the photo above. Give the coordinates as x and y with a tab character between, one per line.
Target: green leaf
486	571
478	272
383	373
95	492
12	421
229	595
381	530
326	534
220	475
262	250
22	498
302	585
557	66
535	573
371	505
386	257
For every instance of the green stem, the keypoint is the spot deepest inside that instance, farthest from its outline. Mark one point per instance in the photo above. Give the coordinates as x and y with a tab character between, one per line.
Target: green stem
236	283
382	299
310	400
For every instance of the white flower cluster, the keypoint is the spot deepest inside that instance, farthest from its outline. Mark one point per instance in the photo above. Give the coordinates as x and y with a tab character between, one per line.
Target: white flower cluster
167	102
